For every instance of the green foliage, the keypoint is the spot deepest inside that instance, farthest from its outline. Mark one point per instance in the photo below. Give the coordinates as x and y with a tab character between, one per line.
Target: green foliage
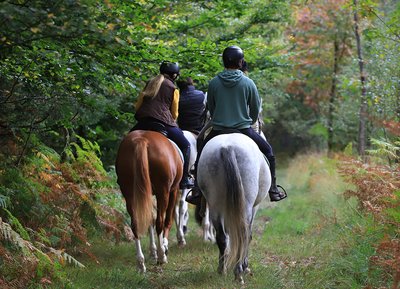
385	149
86	153
17	225
319	130
376	189
85	62
53	213
23	192
4	201
348	150
393	210
38	259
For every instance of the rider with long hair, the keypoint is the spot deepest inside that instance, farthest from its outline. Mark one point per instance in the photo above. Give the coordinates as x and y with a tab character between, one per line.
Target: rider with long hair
234	104
157	109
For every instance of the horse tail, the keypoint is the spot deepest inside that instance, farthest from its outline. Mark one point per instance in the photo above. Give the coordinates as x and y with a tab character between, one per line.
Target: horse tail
142	192
235	211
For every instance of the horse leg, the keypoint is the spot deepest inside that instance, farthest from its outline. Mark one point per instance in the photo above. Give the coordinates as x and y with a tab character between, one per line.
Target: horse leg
243	267
139	257
160	223
208	234
161	255
139	253
152	243
246	268
221	243
181	218
169	216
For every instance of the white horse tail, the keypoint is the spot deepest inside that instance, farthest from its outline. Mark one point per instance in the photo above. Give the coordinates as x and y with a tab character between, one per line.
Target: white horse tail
235	213
142	192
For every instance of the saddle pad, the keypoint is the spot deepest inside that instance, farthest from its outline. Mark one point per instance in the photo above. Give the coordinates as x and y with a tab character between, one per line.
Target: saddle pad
266	160
178	149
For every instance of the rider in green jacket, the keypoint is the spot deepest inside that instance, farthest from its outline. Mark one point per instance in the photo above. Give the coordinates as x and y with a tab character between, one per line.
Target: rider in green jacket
234	105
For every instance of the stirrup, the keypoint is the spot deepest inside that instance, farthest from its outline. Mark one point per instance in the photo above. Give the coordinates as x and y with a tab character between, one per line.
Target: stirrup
188	184
194	196
280	194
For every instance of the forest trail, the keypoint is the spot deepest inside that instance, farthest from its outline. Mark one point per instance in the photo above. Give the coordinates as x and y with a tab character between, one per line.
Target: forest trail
305	241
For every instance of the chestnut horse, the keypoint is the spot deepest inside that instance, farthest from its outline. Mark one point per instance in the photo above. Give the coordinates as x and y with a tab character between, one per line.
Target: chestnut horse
148	164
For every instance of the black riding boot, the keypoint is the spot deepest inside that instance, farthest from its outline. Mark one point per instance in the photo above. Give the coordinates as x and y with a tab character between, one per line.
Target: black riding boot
186	182
274	193
195	195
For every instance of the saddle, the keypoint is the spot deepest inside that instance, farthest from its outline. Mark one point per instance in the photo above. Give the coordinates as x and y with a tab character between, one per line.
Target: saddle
157	127
150	125
229	131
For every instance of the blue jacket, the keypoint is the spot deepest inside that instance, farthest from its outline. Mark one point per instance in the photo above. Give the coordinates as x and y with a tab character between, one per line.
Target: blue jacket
191	109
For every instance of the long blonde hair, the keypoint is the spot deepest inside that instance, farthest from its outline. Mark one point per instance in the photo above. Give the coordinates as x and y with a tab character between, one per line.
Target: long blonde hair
153	86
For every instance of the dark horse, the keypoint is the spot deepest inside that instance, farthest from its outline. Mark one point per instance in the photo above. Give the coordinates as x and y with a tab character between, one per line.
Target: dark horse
149	164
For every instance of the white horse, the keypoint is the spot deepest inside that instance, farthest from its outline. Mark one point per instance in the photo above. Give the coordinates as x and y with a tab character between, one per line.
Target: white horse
234	178
182	210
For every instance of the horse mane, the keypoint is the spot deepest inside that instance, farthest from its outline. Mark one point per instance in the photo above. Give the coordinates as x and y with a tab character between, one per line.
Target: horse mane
235	221
153	86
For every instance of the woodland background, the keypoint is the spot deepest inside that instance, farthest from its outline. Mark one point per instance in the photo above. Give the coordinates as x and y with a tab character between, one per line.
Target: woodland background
70	72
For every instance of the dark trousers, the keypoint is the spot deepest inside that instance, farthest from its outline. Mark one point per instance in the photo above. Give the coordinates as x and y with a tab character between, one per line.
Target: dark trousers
174	133
263	144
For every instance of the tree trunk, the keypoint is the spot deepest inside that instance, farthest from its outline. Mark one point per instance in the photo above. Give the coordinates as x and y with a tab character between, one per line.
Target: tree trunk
363	100
332	96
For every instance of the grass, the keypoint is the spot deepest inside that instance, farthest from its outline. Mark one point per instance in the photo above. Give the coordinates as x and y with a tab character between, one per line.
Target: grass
313	239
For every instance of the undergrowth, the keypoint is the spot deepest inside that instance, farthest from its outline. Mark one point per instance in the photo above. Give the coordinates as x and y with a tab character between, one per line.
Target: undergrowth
377	189
56	217
316	238
49	213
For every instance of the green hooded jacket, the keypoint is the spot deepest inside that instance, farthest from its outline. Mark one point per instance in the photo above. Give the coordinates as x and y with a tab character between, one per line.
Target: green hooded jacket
232	100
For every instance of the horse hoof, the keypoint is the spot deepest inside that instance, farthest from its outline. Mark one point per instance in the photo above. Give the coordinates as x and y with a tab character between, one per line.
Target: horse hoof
153	254
221	270
162	260
239	278
181	243
141	268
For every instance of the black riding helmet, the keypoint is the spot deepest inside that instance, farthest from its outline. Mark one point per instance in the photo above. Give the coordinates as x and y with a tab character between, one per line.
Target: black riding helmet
232	56
169	68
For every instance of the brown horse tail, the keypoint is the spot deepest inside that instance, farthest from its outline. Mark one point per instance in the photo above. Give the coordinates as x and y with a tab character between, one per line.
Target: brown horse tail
236	224
142	193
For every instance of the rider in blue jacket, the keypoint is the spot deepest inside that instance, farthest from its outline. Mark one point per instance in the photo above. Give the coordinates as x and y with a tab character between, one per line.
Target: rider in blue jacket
192	108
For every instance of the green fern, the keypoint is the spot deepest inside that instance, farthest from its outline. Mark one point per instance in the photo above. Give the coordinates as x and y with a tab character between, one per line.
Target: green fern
29	249
19	228
86	152
385	149
4	201
7	233
63	256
